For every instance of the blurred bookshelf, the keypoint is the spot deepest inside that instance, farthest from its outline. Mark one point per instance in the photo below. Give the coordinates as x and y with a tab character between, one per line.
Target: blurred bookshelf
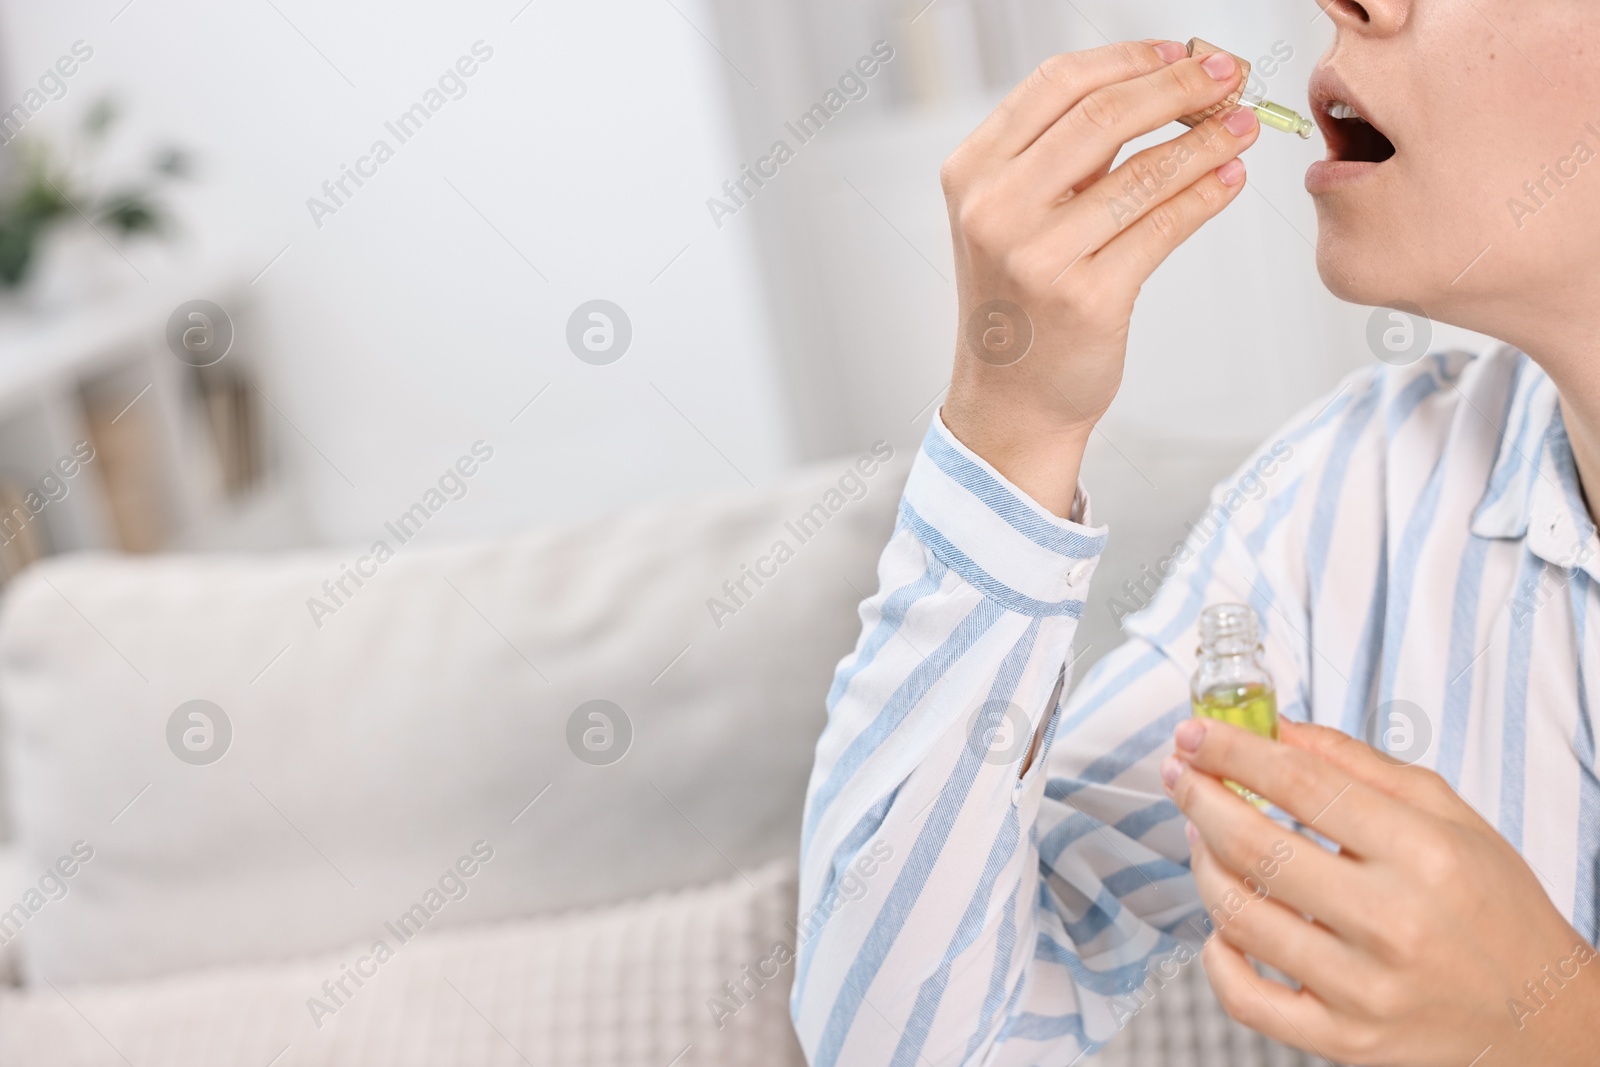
110	442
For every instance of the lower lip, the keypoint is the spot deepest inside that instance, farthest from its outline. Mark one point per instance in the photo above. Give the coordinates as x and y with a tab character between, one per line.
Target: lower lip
1327	175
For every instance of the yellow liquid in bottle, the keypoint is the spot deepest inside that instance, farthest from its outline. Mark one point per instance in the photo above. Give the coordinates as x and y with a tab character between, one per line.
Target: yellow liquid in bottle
1249	707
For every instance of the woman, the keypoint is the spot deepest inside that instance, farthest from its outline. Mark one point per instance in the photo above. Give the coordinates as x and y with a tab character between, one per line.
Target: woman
1423	542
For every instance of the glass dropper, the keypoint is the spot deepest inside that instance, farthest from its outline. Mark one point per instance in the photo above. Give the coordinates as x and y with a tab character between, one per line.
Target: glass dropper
1274	115
1279	117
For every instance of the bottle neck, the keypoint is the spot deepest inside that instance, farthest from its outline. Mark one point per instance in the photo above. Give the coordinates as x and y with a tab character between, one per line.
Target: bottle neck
1228	630
1230	650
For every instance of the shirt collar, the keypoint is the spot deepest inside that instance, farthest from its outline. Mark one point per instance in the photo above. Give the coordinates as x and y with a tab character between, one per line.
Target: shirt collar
1533	491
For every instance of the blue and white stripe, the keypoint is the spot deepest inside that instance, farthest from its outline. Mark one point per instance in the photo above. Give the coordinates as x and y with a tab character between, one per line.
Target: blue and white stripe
1424	540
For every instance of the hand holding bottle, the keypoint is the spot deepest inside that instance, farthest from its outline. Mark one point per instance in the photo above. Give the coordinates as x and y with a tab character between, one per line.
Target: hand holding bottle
1425	940
1052	245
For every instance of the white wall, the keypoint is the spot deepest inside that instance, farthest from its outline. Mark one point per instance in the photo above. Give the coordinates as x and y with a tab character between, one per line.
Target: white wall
406	328
818	319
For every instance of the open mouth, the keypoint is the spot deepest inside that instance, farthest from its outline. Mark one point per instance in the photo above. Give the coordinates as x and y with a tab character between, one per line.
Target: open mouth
1350	136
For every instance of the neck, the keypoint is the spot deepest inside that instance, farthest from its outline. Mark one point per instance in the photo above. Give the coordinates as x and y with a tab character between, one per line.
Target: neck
1584	432
1569	354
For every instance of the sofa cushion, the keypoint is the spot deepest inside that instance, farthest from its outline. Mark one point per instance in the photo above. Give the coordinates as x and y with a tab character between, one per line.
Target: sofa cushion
638	983
446	700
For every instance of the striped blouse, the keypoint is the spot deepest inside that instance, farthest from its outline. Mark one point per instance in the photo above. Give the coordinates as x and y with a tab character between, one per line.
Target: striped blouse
1419	554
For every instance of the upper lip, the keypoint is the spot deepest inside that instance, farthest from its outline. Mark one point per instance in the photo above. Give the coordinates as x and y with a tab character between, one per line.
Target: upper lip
1328	88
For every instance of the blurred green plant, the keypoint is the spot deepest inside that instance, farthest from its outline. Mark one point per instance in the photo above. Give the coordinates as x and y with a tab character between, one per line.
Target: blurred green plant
47	191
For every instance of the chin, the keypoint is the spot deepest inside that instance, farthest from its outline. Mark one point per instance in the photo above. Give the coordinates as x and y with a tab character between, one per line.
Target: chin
1384	258
1357	264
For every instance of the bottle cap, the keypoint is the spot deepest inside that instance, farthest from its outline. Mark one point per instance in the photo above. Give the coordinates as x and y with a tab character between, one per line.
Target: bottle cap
1197	47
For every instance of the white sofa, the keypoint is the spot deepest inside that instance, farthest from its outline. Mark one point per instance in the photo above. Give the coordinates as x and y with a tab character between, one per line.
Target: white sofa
411	772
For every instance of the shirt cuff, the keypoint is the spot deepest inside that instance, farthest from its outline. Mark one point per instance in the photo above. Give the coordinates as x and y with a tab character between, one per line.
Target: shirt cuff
994	535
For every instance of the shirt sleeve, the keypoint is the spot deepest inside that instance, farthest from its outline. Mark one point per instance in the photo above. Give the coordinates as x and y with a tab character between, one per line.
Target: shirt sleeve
952	911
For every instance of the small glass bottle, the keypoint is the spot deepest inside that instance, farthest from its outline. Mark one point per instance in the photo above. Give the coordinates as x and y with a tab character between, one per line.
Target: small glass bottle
1231	683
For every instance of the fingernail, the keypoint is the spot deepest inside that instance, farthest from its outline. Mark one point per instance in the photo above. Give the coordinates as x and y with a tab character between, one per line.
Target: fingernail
1171	771
1189	734
1220	65
1231	172
1171	51
1191	834
1241	122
